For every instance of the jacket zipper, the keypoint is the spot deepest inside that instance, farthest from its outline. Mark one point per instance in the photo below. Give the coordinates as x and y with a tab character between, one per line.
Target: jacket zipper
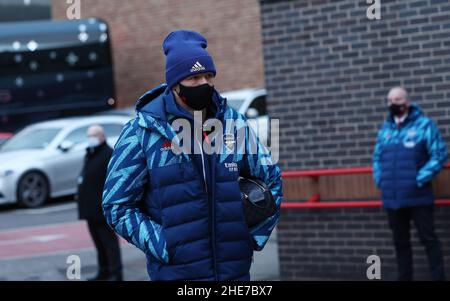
397	130
211	206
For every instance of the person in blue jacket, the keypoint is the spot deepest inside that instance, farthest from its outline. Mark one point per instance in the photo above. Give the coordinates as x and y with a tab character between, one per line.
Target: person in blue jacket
408	154
184	209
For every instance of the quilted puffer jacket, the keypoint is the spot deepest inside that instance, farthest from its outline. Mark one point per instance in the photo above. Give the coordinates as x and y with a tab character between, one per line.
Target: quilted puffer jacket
406	158
185	210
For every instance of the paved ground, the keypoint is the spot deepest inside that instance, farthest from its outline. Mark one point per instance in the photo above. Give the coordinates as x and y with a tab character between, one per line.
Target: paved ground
35	245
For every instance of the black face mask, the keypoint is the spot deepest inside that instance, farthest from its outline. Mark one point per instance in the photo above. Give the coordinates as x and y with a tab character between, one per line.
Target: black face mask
198	97
397	110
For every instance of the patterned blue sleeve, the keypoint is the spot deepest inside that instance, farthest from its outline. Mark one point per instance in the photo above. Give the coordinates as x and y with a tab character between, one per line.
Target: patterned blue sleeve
437	151
376	160
123	194
260	165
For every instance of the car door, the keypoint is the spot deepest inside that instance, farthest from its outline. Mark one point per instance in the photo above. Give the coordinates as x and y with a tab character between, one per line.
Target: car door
68	164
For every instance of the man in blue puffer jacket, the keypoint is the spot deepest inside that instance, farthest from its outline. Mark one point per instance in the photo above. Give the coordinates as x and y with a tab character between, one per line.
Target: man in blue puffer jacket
408	154
184	209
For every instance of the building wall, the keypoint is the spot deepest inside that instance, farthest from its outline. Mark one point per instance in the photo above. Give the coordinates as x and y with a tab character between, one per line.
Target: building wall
334	244
328	70
138	28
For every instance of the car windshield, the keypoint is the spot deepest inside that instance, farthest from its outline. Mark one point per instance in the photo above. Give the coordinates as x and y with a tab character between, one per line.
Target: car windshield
235	103
31	139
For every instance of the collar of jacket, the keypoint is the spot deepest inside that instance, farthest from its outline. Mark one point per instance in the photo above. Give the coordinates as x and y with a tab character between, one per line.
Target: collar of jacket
93	150
414	113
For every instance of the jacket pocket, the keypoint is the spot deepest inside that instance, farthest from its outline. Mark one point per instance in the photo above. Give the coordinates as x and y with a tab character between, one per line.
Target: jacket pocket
171	247
168	174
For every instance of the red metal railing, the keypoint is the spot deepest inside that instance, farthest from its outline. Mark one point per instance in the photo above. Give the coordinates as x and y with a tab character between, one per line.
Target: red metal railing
314	200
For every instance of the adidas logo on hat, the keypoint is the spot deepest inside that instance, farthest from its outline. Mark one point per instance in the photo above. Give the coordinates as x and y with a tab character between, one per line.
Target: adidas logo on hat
197	67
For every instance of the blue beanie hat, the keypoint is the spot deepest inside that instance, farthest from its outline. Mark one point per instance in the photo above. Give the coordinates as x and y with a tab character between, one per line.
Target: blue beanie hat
186	55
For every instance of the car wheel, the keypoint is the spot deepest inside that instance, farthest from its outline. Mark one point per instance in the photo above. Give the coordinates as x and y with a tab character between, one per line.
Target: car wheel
33	190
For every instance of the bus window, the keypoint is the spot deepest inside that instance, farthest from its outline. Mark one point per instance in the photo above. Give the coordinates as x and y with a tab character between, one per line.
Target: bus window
52	69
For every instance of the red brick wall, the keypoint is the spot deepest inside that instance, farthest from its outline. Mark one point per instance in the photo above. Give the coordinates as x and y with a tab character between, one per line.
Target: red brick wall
138	28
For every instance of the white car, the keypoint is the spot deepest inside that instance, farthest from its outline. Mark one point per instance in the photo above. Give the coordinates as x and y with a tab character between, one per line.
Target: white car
45	159
252	104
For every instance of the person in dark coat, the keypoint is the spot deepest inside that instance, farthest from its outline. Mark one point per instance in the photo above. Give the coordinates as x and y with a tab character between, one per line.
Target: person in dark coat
90	190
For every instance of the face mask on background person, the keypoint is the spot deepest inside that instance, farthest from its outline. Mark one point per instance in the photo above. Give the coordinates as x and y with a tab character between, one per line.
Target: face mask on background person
397	110
198	97
93	142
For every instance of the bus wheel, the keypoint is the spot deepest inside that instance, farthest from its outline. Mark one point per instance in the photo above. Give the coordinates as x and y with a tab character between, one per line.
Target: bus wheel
33	190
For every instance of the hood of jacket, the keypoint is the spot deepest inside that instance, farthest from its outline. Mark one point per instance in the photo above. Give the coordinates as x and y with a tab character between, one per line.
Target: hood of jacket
415	112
